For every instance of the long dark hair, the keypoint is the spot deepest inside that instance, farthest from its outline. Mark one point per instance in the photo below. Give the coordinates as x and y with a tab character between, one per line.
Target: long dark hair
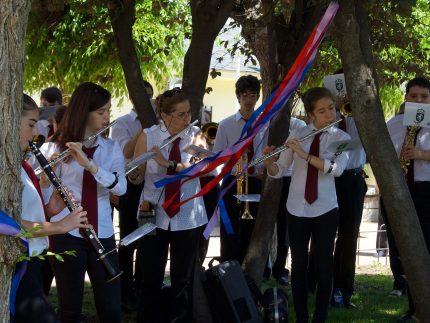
86	98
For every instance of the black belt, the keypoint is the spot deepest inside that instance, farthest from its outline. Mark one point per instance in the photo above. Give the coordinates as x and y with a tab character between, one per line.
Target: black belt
353	171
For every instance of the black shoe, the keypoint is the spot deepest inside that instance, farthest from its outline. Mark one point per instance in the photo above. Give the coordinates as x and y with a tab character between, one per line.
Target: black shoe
283	280
406	317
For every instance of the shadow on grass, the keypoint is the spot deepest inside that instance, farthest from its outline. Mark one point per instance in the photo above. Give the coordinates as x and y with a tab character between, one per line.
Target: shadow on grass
370	297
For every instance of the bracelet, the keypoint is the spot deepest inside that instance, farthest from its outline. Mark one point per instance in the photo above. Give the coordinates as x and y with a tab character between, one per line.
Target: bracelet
111	186
308	159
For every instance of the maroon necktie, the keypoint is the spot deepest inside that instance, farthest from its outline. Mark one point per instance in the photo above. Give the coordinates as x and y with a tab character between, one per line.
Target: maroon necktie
342	123
35	181
89	192
311	189
173	189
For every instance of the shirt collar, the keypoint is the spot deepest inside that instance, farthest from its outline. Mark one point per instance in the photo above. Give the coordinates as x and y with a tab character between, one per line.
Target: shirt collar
238	116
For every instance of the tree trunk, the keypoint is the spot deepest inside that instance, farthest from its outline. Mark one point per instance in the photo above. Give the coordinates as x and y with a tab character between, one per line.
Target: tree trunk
276	43
208	17
357	59
122	16
13	17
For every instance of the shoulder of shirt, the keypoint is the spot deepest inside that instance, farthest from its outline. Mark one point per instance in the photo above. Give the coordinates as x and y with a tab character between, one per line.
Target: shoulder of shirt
397	119
228	119
152	129
107	142
339	133
296	123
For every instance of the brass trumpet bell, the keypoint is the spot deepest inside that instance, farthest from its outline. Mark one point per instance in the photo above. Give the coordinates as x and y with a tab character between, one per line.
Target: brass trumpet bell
209	131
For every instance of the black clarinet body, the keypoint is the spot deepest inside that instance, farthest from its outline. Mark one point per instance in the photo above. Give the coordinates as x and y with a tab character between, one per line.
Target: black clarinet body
89	234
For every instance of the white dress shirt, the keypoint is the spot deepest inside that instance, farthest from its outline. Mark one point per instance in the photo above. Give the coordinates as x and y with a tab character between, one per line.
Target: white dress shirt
125	128
357	157
397	133
229	131
109	158
191	214
327	200
32	210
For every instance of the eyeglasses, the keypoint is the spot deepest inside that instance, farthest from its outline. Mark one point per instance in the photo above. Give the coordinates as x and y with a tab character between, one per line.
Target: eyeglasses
182	115
172	92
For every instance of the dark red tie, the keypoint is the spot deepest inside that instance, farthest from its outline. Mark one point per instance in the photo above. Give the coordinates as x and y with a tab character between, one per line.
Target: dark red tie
173	189
89	192
311	189
35	181
342	123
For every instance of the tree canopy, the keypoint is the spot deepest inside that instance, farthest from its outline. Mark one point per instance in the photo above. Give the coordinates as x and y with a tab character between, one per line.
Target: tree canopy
73	42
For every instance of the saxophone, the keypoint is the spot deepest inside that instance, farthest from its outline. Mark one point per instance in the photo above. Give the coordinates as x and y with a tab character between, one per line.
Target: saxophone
409	141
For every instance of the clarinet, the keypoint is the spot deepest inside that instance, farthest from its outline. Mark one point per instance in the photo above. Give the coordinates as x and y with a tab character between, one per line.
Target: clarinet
89	234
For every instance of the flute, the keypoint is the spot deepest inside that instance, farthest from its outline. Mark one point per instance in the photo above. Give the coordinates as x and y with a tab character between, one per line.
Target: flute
131	166
89	234
66	153
280	149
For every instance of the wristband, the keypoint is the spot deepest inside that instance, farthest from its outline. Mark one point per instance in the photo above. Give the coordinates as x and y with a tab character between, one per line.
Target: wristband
90	165
308	159
172	165
111	186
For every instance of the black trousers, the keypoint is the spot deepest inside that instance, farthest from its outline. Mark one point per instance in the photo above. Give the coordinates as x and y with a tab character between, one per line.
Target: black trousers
420	192
350	190
323	231
184	247
128	206
210	199
31	303
283	245
70	276
395	264
235	246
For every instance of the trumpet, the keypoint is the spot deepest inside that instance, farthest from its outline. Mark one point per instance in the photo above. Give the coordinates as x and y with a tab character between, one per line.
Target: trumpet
131	166
64	154
209	131
344	106
246	215
280	149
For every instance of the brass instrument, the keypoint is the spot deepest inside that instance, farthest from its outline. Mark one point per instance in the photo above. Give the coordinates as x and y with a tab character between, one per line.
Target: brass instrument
344	106
411	133
243	179
209	131
64	154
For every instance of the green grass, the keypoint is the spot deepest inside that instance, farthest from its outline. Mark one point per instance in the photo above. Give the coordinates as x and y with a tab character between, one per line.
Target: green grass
373	283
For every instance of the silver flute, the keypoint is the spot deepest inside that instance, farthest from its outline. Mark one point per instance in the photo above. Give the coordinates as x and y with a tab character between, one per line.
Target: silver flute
280	149
131	166
64	154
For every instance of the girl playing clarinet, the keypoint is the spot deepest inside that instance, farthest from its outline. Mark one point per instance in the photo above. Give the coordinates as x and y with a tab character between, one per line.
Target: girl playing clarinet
31	303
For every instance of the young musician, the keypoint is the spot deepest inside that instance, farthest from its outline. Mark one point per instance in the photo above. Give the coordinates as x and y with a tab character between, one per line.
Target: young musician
31	304
312	204
179	229
229	130
93	170
418	175
125	131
